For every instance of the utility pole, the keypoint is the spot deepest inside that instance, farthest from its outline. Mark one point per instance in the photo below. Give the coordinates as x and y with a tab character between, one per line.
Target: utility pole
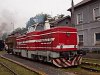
12	25
72	13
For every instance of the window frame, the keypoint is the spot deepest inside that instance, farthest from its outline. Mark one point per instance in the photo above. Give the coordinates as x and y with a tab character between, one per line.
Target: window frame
82	41
94	16
80	20
95	41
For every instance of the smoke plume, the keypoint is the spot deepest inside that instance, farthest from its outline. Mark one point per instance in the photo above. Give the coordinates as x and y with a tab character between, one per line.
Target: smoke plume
7	19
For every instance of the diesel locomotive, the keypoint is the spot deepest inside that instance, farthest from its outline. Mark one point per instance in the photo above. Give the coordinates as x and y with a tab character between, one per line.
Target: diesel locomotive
57	45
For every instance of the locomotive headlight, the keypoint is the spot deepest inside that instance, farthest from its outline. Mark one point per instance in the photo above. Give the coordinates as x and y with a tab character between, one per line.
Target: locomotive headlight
68	34
75	46
60	46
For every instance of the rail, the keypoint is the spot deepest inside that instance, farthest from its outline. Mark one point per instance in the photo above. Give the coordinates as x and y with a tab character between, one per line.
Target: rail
14	73
90	66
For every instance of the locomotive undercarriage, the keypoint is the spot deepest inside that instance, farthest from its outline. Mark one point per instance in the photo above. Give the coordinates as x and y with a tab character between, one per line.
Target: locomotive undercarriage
60	59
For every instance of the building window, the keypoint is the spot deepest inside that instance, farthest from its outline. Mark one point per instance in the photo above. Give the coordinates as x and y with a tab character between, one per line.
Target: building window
97	38
96	13
66	22
80	40
80	18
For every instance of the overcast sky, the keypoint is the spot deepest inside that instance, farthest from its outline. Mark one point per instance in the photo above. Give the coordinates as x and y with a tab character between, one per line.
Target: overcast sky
18	12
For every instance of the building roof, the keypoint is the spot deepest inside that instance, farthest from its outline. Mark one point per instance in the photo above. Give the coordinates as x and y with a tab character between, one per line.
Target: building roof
80	3
59	20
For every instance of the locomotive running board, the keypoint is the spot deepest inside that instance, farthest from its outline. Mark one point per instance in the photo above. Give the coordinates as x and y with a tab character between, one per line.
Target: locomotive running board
63	62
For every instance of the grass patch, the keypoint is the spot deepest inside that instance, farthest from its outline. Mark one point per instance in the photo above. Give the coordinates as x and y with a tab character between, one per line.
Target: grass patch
18	69
91	66
91	60
2	52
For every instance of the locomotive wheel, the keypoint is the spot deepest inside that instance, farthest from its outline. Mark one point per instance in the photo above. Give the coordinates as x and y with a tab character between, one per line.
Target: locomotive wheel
44	59
35	57
40	58
12	53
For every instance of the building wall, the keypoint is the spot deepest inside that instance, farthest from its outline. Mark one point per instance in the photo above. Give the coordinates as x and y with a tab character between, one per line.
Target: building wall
89	27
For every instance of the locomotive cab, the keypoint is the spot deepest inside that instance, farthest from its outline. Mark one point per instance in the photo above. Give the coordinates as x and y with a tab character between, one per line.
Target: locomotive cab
39	27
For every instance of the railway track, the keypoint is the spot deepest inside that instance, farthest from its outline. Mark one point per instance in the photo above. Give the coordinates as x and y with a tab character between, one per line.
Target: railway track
90	69
45	69
91	66
20	64
48	69
4	65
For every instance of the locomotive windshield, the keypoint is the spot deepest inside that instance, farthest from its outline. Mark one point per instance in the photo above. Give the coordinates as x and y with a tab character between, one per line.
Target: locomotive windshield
39	28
